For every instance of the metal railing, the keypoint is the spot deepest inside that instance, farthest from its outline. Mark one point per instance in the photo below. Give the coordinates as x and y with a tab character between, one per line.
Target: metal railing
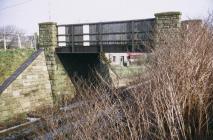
130	33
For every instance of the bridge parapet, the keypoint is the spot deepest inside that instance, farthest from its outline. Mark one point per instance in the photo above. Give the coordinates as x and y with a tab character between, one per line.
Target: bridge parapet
116	36
123	36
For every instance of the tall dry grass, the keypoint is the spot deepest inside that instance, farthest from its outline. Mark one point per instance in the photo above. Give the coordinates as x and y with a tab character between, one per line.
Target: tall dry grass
172	102
180	87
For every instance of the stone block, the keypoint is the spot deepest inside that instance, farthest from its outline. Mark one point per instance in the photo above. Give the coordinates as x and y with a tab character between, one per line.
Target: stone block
16	93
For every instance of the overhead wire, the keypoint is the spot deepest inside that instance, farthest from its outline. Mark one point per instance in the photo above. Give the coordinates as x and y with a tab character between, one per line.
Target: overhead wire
15	5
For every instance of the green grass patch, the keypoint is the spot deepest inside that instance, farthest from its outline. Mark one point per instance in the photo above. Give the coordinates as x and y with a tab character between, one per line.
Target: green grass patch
10	60
126	72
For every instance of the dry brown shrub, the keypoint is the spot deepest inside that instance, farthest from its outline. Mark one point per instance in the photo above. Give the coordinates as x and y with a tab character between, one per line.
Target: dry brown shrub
172	102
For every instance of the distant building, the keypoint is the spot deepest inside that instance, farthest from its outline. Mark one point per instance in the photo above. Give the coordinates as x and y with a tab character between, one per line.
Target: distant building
123	59
133	57
118	58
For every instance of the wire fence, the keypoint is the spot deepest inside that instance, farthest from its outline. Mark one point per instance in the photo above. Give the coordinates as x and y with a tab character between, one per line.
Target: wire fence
12	41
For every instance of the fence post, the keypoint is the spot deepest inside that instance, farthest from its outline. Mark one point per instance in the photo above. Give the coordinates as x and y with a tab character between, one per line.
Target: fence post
5	42
19	41
35	41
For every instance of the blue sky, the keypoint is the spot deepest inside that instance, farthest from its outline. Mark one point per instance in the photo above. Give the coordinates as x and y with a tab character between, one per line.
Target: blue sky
26	14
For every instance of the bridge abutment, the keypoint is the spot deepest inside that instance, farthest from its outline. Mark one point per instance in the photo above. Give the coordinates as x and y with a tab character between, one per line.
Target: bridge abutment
61	84
167	25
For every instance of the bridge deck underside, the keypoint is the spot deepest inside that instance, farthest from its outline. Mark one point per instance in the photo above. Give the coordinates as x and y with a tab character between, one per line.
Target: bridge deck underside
104	48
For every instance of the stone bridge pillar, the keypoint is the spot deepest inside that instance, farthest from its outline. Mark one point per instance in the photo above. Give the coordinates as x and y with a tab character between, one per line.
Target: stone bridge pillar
60	82
48	41
48	35
167	25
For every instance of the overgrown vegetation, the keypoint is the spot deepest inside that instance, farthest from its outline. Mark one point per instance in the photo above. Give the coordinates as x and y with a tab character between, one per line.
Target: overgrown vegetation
10	60
172	101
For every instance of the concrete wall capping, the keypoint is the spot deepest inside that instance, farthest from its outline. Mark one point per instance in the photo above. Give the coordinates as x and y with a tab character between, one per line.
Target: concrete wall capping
48	23
172	13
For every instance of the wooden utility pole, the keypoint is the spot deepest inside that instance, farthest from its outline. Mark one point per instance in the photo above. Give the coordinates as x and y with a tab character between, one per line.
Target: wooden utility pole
35	39
19	41
31	44
4	38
